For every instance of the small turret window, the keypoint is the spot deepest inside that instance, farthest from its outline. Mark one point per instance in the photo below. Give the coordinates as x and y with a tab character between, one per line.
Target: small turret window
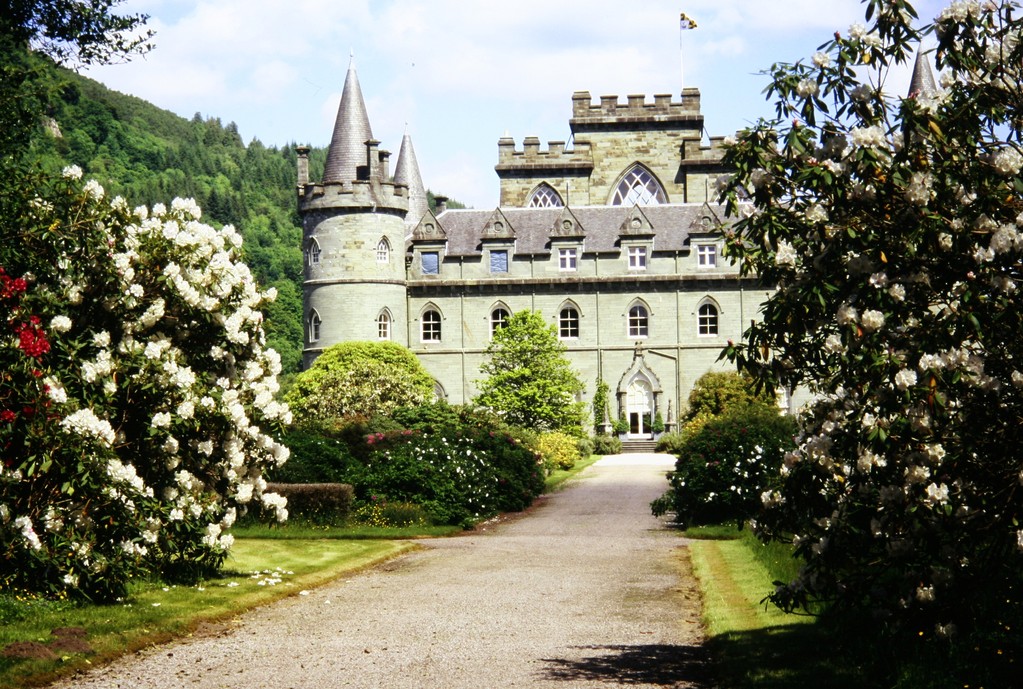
383	251
314	326
638	186
312	252
384	326
544	196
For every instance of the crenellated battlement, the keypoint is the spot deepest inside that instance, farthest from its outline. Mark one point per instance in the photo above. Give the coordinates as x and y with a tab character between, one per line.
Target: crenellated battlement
635	108
359	194
554	155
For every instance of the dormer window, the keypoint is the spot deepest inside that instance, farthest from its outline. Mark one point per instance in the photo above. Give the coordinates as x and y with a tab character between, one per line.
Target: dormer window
568	259
498	261
638	186
706	256
637	258
431	262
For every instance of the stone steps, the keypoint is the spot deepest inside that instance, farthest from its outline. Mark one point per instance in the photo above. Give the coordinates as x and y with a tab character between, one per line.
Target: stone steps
638	446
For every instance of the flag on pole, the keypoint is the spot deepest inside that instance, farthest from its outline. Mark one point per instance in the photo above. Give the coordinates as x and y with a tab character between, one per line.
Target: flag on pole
685	22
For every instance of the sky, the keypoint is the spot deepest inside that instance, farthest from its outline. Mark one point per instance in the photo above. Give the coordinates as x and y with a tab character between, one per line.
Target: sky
460	74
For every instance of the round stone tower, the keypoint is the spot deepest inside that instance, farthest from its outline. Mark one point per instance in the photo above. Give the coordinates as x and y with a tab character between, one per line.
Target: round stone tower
353	237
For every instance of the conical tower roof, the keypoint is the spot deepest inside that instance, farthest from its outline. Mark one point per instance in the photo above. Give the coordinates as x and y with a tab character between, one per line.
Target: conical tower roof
347	149
923	83
406	171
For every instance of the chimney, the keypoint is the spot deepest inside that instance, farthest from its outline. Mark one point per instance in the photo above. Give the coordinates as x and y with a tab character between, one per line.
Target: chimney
303	165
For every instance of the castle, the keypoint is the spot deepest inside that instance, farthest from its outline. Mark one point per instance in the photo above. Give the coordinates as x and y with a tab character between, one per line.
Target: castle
612	239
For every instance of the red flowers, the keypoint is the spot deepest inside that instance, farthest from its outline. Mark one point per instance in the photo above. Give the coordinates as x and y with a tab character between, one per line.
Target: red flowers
9	286
31	338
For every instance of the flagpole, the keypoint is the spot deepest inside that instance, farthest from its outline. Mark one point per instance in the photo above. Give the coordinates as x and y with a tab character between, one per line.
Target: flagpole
684	24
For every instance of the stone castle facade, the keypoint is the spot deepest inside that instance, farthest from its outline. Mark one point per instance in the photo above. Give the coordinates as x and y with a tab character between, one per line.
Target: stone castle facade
612	239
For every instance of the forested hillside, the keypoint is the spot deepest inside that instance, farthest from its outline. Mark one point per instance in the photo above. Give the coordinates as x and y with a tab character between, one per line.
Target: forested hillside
149	155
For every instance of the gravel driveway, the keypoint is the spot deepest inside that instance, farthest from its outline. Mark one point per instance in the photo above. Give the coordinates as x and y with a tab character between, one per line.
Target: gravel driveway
586	590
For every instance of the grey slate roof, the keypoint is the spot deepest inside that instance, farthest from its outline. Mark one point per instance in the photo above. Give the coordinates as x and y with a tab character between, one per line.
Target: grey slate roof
351	132
406	171
602	226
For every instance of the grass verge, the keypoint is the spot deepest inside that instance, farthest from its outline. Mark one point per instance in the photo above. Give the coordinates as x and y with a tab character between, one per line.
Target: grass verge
757	646
556	480
258	572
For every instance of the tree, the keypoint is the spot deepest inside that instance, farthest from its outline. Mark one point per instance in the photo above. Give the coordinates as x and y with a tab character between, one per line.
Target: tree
716	392
360	379
891	227
530	382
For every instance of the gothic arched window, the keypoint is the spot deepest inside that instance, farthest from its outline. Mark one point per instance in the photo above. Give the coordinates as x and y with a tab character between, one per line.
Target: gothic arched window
314	326
312	252
707	319
568	323
384	326
638	186
639	322
544	196
498	319
430	326
383	251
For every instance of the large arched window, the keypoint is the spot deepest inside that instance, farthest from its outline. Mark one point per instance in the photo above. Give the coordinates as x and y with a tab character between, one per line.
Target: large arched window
498	319
639	321
312	252
430	326
544	196
707	319
638	186
384	326
383	251
568	322
314	326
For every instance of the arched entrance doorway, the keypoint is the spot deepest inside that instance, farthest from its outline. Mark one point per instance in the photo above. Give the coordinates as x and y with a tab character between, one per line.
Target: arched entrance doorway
639	406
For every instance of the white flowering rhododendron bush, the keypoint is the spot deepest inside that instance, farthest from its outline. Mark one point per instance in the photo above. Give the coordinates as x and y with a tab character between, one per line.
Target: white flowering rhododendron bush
891	225
136	394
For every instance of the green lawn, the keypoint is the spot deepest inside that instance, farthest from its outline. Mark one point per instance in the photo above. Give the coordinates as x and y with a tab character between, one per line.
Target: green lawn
757	646
259	571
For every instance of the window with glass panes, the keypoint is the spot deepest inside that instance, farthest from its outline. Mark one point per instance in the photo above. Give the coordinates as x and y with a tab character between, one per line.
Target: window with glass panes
568	323
384	326
430	325
637	257
707	320
567	259
431	262
706	256
498	319
639	321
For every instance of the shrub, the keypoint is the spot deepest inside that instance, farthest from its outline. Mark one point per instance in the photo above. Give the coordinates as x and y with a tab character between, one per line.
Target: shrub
378	512
725	467
716	392
585	446
606	445
133	396
558	450
458	464
322	504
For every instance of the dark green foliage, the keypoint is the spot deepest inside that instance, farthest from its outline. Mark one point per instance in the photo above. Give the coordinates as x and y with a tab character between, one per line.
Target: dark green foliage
724	468
322	504
600	402
606	445
460	465
585	446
